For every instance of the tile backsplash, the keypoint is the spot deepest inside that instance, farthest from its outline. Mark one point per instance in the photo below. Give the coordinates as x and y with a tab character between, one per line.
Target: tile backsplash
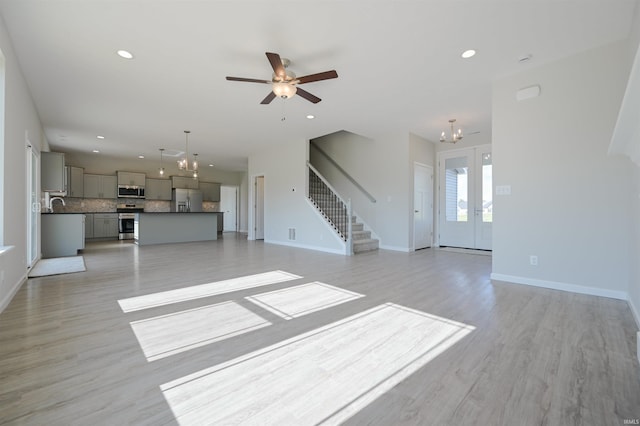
99	205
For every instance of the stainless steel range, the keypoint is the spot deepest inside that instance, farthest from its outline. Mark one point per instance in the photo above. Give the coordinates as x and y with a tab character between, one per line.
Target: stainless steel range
126	219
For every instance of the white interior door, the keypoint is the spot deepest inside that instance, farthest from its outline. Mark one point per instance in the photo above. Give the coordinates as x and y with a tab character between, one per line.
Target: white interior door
229	207
422	206
465	198
259	208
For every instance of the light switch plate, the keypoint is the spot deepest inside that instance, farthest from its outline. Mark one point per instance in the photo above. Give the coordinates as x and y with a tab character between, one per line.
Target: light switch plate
503	189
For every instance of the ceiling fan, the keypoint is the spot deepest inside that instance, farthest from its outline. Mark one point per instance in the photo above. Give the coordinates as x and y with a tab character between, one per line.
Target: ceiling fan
284	82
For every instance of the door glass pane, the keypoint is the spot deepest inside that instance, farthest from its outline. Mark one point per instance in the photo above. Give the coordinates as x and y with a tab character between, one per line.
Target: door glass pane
456	192
34	210
487	188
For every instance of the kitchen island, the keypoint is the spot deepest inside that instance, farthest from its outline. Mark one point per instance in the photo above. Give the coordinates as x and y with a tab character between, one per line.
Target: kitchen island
161	228
62	234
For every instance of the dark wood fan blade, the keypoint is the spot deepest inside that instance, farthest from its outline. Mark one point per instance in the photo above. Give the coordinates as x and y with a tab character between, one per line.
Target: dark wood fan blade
271	96
317	77
276	64
308	96
248	80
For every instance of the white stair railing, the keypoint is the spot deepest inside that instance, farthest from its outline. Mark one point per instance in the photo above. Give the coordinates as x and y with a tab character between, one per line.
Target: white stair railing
334	208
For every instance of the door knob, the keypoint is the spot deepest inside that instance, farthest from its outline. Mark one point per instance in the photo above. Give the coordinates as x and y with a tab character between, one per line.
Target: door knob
416	211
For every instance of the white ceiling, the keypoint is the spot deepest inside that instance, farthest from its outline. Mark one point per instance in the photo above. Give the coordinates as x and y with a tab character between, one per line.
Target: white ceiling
398	63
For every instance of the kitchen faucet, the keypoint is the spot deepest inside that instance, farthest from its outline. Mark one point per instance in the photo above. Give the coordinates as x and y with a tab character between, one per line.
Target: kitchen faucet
52	200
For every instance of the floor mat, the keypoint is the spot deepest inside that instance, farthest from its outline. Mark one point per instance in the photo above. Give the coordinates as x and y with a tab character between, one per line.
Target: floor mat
58	265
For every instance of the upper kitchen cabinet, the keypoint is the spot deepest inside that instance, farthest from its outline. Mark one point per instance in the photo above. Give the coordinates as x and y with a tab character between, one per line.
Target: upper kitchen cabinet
210	191
52	172
100	186
158	189
75	181
184	182
131	179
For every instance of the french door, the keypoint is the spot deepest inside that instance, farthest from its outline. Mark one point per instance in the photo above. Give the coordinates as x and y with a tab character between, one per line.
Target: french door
33	203
466	198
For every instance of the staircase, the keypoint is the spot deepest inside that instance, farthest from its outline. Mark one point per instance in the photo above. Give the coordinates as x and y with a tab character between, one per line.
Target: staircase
337	212
362	240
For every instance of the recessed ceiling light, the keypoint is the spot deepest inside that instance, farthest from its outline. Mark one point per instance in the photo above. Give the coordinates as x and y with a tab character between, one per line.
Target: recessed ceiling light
468	53
210	165
100	137
311	117
141	156
96	151
125	54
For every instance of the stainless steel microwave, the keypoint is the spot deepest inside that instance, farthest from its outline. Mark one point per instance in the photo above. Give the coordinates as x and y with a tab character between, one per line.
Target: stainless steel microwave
126	191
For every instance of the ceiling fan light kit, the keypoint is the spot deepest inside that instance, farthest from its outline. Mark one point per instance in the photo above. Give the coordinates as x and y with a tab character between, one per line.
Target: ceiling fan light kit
284	83
455	136
284	90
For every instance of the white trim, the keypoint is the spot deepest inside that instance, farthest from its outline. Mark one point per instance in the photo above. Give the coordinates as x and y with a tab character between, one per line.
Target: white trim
326	224
573	288
305	246
395	248
12	292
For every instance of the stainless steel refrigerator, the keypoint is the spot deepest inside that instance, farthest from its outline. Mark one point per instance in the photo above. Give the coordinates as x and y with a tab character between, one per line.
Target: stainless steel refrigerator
186	200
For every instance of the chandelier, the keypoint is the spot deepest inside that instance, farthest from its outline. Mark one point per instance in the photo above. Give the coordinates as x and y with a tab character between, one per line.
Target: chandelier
455	136
183	163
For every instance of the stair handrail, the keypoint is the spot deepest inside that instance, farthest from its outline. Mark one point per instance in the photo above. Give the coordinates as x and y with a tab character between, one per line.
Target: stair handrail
348	238
326	183
349	247
344	172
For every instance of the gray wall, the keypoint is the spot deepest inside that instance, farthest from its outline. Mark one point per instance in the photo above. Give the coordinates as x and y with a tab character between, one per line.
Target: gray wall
20	121
571	203
285	201
381	166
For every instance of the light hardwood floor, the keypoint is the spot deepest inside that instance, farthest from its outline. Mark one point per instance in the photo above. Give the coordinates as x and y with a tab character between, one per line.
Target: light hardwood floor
69	354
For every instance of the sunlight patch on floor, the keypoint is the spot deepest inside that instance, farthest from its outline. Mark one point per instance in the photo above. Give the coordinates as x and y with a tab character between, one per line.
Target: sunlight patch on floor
204	290
304	299
171	334
324	376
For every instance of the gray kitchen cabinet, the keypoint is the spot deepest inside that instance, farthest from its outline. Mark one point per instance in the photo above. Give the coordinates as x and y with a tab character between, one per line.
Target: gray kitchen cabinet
131	179
88	225
75	181
62	234
52	172
210	191
158	189
105	225
100	186
184	182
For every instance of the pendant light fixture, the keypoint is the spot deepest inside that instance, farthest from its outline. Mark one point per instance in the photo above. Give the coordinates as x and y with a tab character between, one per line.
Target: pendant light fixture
455	136
183	164
161	169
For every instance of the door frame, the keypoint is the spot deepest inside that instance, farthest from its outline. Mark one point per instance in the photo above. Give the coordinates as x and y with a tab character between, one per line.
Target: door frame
431	213
33	205
237	203
253	196
478	182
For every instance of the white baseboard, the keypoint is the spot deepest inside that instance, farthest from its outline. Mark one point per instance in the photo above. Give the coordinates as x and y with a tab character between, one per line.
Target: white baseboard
636	314
305	246
12	292
613	294
394	248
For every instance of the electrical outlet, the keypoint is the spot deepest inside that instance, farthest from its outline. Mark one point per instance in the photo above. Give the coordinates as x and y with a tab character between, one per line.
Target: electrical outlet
533	260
